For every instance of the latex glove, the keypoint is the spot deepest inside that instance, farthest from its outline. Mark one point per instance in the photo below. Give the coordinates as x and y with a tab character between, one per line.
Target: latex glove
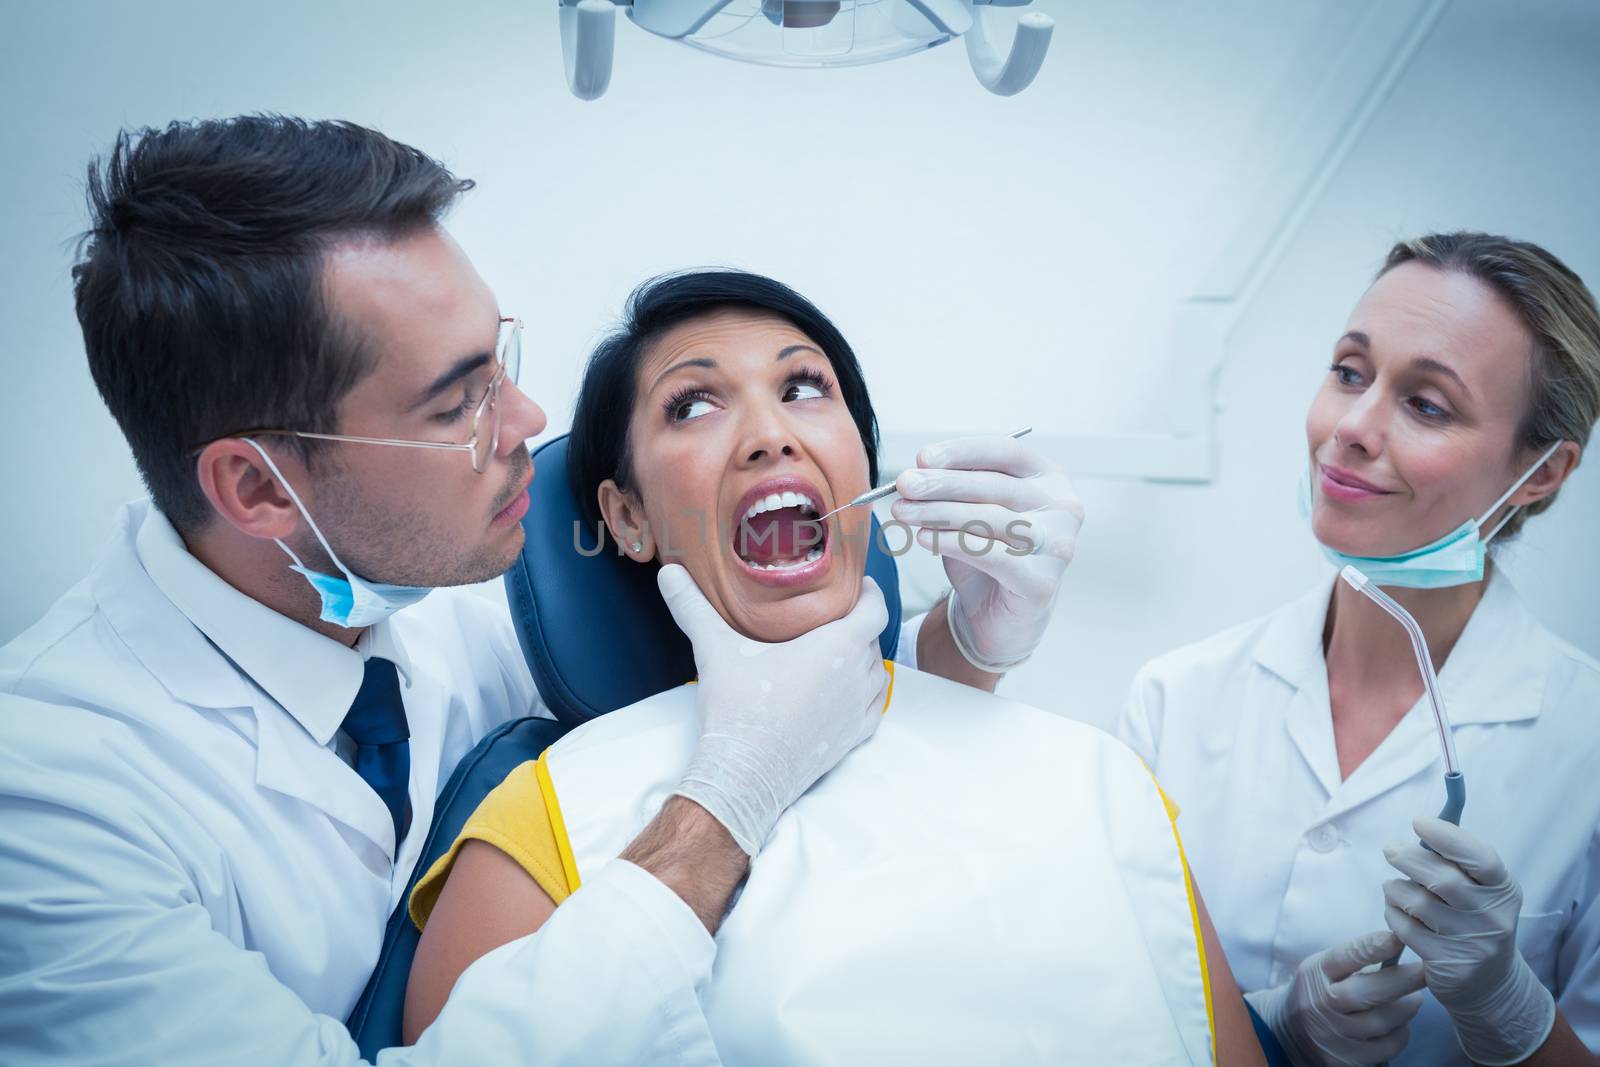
1333	1012
775	717
1004	574
1457	910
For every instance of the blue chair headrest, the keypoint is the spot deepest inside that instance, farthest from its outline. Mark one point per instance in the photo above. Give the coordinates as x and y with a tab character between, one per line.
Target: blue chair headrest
593	627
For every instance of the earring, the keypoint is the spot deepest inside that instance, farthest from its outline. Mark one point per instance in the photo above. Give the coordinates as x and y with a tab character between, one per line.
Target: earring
637	546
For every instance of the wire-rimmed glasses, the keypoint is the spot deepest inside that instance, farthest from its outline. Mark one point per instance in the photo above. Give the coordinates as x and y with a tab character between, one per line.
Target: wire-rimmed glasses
483	435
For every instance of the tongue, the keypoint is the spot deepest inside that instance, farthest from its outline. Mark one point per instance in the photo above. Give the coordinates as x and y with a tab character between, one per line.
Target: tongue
776	536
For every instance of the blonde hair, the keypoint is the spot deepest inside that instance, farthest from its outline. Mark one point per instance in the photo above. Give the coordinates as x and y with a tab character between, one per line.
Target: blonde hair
1560	313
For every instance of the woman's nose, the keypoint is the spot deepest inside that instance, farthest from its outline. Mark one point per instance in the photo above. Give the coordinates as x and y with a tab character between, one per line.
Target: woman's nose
520	418
1360	428
767	435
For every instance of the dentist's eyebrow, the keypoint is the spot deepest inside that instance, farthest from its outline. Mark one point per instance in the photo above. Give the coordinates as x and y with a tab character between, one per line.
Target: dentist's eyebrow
1428	363
1418	363
462	368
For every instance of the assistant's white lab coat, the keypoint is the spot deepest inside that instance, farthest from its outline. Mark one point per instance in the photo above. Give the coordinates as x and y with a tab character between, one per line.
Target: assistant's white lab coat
189	873
1238	728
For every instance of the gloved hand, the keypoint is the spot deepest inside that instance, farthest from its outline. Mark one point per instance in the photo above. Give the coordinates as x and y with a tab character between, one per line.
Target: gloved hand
775	717
1333	1012
1458	911
1005	573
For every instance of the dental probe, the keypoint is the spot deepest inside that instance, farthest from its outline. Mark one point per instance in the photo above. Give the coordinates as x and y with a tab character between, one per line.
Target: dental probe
872	496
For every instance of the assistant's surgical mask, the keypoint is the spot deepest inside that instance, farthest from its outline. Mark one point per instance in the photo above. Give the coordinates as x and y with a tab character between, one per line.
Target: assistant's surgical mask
1457	558
351	601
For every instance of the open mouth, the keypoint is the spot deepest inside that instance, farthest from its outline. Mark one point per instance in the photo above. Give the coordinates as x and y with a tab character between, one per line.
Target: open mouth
778	530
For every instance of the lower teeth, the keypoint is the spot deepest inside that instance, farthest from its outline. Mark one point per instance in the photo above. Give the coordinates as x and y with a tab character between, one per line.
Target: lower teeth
810	557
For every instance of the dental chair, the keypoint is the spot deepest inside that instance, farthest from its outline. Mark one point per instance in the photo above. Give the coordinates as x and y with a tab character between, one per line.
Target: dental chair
597	637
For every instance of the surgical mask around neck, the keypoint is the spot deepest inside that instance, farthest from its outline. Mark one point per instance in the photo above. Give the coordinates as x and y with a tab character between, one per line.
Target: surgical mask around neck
351	601
1457	558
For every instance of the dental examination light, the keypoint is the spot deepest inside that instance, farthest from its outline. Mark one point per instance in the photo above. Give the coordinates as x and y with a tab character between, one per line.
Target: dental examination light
806	33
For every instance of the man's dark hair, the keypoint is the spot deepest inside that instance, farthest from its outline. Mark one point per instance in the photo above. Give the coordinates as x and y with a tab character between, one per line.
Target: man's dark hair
199	281
598	447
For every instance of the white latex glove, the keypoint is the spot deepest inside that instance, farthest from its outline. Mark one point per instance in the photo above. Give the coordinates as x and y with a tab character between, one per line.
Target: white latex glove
1333	1012
1005	573
1457	910
775	717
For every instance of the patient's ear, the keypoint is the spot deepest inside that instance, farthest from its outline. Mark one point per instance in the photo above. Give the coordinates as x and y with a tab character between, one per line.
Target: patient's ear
624	515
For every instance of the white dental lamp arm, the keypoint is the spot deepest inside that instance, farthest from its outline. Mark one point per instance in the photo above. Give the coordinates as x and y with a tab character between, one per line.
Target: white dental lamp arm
588	41
1015	72
588	36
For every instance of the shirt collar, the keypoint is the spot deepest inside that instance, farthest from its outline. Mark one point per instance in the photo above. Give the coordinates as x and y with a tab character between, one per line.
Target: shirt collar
1290	644
314	678
1495	672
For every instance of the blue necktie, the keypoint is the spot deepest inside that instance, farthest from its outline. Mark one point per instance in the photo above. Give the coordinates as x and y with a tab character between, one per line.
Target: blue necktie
377	724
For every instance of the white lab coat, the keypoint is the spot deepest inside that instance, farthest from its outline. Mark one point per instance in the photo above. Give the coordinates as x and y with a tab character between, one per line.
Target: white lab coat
1288	857
189	872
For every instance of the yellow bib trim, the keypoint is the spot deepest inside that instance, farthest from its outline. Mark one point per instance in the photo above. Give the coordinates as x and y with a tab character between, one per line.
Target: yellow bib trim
1194	913
552	807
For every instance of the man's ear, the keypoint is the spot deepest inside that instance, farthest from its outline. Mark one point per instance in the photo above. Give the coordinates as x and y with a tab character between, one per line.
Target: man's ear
244	492
1550	475
624	515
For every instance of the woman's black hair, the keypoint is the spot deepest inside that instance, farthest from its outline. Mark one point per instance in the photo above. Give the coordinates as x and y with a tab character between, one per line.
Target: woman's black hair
598	447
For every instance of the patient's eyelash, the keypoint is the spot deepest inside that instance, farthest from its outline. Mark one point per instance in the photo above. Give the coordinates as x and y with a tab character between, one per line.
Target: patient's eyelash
680	398
688	394
811	376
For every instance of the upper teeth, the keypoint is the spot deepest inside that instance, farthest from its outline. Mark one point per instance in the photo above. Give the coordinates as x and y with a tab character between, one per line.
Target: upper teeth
774	501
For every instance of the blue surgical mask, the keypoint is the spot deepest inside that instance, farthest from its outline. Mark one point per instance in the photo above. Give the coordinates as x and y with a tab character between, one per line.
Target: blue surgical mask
351	601
1457	558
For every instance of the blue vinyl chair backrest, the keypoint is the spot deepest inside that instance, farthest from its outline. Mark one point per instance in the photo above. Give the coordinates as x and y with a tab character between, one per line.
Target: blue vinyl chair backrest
375	1021
594	629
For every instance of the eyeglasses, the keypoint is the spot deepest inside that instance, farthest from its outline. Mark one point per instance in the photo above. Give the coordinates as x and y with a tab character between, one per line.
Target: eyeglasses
483	437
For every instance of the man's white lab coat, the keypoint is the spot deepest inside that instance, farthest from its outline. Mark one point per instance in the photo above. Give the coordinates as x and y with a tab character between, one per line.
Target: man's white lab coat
191	873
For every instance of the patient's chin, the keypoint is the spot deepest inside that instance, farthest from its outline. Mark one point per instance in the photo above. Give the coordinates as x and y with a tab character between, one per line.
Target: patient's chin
785	620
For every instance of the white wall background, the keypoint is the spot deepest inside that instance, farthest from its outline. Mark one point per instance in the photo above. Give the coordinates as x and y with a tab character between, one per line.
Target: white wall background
994	261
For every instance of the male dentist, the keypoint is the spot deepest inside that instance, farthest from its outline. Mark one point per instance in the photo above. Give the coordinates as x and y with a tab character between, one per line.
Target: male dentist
219	752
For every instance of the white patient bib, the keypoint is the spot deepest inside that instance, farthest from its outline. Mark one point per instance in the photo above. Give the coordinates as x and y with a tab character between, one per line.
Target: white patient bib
981	882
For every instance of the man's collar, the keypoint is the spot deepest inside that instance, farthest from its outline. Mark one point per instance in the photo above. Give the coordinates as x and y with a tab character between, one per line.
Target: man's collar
313	677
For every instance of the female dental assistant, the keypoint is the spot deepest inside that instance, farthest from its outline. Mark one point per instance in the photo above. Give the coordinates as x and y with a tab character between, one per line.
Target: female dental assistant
1298	748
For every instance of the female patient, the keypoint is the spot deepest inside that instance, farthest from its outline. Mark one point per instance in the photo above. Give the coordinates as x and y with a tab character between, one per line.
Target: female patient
979	881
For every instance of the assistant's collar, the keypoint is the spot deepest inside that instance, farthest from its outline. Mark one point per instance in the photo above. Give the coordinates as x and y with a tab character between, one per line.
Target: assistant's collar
313	677
1495	673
